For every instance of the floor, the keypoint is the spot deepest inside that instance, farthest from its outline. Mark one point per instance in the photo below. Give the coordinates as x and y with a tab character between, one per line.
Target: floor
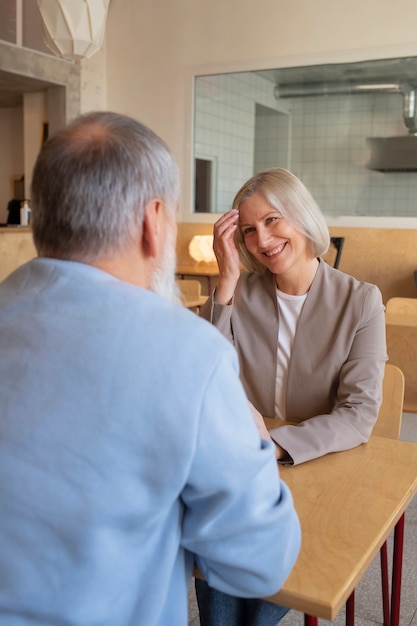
368	605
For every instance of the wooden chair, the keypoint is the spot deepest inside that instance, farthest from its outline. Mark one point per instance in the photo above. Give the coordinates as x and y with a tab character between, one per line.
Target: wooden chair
333	255
190	291
338	243
401	328
388	423
402	306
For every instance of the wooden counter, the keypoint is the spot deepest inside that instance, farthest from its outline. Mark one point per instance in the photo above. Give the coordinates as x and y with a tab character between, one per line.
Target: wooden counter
16	248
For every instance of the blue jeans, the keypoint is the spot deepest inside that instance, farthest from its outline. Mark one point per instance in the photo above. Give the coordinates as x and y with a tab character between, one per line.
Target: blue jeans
219	609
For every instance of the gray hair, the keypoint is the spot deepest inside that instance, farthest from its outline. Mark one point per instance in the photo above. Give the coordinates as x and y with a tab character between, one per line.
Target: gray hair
91	183
297	206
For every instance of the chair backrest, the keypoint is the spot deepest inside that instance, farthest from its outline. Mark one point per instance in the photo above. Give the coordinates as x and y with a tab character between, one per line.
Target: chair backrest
388	423
338	244
189	287
404	306
333	255
190	292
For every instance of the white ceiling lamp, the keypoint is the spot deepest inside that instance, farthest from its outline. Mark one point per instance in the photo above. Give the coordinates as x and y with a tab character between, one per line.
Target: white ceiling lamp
74	29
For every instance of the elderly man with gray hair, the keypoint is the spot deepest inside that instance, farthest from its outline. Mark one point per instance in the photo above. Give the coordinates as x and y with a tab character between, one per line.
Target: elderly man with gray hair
128	451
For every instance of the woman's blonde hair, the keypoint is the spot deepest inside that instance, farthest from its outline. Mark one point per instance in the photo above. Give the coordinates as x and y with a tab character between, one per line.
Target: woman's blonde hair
286	193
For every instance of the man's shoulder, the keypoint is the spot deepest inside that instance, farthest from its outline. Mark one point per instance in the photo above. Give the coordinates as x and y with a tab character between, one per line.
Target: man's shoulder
176	328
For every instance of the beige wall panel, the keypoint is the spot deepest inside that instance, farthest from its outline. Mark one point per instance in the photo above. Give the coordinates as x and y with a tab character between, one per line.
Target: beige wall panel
386	257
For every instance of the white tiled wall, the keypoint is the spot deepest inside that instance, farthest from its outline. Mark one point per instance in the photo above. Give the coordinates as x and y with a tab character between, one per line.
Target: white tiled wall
225	127
322	139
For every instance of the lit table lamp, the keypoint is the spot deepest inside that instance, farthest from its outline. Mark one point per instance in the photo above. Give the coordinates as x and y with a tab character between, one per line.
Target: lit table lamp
201	249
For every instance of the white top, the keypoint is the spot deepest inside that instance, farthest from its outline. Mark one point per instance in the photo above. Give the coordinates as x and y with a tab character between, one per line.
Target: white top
289	308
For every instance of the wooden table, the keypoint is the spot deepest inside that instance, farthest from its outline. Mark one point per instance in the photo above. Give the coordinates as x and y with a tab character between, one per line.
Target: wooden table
348	504
200	270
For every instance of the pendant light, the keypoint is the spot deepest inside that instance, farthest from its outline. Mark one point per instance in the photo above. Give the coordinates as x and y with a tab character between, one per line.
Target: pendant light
74	29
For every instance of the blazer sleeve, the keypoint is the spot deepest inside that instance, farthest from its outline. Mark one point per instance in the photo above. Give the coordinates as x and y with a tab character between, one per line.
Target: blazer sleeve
358	396
219	315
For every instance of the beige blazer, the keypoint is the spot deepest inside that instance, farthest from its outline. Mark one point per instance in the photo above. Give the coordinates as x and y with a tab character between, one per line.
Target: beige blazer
335	374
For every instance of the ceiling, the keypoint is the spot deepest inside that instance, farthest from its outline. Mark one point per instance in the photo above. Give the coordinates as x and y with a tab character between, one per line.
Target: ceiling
388	70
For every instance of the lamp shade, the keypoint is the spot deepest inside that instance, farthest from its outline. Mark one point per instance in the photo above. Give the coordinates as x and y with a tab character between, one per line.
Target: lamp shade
74	29
201	248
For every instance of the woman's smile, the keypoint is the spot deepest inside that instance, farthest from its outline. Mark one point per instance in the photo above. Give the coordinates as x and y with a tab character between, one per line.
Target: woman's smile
275	251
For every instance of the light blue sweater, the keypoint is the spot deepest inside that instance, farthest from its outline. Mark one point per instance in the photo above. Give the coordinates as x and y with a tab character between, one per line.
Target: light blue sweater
127	450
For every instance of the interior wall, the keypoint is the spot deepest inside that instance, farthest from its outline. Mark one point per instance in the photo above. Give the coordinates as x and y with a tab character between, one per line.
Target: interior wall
35	114
59	92
227	128
322	139
156	47
21	135
11	157
93	95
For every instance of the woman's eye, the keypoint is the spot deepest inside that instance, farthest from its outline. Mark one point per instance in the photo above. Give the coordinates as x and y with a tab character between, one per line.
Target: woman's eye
271	219
247	231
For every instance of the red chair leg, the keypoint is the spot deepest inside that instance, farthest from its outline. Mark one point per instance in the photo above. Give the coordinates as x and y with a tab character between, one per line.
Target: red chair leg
350	610
310	620
397	566
385	584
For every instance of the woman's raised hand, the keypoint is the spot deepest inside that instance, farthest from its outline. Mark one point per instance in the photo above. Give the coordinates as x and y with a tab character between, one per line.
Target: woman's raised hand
227	256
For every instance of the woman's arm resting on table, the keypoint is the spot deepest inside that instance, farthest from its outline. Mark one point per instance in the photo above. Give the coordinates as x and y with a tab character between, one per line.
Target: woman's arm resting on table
280	453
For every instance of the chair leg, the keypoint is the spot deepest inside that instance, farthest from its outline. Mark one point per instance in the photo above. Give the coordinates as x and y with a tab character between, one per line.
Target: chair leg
397	563
385	584
350	610
310	620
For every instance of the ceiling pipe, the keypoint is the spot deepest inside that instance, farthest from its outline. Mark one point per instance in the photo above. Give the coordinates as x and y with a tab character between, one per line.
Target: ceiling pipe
407	90
333	89
409	110
387	154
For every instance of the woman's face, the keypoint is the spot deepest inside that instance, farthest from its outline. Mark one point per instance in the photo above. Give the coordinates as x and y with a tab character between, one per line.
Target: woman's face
270	239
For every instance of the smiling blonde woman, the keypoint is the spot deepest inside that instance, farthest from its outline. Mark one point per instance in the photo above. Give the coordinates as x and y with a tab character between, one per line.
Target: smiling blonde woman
310	339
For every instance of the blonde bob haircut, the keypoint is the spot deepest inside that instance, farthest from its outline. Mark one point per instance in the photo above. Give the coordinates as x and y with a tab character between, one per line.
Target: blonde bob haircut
286	193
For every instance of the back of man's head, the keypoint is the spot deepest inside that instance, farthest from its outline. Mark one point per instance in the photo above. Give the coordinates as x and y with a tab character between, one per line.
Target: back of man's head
92	182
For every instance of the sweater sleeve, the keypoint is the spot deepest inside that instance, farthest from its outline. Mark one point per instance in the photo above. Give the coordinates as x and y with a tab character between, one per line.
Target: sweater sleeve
239	516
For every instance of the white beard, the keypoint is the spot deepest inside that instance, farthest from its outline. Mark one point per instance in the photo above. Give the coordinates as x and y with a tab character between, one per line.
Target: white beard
163	280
